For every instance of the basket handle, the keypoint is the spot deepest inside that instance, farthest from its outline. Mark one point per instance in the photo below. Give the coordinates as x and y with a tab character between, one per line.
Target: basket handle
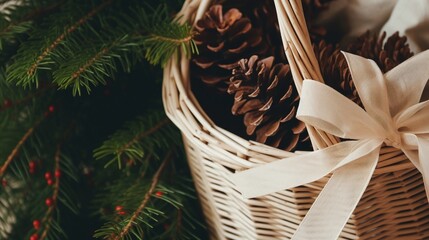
302	60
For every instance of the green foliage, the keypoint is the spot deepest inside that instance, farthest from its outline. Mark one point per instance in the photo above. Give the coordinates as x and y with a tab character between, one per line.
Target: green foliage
94	65
165	37
36	55
141	145
85	49
162	217
48	48
145	135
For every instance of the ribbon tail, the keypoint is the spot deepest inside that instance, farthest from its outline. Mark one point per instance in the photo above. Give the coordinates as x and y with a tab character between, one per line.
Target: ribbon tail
338	199
295	171
424	162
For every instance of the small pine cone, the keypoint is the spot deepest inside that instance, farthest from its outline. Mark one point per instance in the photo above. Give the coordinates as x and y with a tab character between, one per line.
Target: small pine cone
388	55
334	67
223	39
312	9
265	95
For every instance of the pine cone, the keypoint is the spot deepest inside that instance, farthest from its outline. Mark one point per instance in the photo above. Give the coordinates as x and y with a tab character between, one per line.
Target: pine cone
223	39
334	67
265	95
312	9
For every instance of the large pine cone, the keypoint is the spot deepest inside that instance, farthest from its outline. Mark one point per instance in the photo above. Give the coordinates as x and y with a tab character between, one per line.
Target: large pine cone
334	67
223	39
265	95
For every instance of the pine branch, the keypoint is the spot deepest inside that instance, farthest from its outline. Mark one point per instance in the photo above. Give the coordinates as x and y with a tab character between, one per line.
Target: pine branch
37	53
145	200
164	37
141	135
90	67
147	133
60	38
55	190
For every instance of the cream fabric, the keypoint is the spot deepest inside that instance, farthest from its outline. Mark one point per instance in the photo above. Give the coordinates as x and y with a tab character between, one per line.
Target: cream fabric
355	17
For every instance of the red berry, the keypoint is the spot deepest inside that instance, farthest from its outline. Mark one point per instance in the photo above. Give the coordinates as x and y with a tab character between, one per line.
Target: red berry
122	213
49	202
119	208
7	103
36	224
57	173
48	175
159	194
51	108
49	182
34	237
4	182
32	164
32	167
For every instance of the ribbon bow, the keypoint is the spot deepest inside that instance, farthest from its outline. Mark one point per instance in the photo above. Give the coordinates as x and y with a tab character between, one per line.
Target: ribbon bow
394	116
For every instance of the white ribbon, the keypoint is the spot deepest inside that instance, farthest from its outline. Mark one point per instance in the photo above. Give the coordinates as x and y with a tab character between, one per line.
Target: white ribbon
394	115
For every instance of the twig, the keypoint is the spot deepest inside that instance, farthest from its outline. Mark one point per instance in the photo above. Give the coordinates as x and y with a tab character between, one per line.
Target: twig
15	150
77	73
167	39
48	216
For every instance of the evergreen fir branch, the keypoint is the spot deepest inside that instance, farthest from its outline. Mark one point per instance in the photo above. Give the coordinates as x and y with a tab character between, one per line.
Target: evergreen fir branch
160	204
60	38
144	134
164	215
134	217
85	67
59	192
37	54
162	37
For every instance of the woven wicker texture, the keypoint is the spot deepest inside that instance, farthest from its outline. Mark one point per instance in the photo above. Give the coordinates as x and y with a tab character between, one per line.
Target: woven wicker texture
394	205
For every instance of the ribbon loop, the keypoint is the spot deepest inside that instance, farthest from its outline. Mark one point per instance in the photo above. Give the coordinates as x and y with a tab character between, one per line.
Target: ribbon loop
345	120
371	87
405	82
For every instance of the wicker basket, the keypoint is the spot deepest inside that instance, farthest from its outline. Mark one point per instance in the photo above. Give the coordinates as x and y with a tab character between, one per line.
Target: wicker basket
394	205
